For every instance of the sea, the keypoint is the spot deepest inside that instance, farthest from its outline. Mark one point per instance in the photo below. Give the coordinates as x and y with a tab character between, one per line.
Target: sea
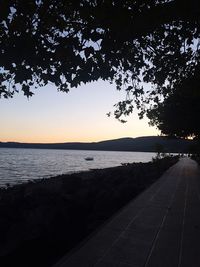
19	165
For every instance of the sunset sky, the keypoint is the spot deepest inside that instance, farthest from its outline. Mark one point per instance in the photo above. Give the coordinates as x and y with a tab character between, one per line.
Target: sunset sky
80	115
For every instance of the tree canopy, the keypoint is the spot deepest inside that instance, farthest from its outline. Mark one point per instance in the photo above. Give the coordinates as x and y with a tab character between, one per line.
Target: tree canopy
125	42
178	114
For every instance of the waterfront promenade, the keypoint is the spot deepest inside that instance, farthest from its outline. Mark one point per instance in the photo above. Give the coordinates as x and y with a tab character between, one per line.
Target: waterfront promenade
159	228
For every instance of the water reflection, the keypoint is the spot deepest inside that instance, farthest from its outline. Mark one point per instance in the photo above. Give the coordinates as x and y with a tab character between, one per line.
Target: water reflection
20	165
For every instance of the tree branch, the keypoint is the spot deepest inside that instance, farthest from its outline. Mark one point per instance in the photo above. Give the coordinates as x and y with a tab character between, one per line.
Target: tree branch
148	20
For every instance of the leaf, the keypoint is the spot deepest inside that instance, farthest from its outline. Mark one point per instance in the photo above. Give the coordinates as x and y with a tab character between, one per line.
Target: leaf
88	51
26	90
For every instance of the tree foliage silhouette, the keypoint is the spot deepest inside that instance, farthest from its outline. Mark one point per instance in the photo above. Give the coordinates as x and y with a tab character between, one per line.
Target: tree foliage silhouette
125	42
178	114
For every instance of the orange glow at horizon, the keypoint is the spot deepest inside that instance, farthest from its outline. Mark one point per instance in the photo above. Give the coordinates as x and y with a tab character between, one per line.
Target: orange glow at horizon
79	116
94	133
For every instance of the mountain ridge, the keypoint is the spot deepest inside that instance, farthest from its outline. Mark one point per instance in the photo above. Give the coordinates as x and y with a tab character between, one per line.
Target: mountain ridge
142	144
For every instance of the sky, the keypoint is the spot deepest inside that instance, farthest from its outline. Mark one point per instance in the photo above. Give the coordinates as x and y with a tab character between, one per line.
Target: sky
78	116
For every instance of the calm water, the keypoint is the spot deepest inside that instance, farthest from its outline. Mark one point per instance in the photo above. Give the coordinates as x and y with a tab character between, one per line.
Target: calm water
20	165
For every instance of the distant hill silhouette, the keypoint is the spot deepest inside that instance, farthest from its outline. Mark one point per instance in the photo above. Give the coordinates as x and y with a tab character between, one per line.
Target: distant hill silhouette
145	144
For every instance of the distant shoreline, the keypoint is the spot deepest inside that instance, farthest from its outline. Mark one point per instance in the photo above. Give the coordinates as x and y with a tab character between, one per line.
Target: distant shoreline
74	149
139	144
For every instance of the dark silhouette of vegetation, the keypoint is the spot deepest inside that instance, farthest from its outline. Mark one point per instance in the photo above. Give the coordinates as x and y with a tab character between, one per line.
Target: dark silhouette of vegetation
160	150
178	114
125	42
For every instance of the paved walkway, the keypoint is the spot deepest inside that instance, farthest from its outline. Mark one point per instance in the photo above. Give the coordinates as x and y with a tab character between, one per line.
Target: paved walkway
160	228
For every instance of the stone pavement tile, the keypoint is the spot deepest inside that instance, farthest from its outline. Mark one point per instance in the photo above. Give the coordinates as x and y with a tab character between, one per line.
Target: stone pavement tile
113	264
192	221
166	250
150	217
166	192
127	215
191	240
123	219
142	199
175	224
190	252
140	233
129	251
163	198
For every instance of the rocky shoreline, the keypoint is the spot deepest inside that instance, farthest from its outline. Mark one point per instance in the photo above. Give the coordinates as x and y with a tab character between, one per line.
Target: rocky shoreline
40	221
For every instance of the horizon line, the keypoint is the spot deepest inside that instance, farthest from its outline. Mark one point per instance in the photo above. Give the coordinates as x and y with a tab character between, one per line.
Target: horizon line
96	141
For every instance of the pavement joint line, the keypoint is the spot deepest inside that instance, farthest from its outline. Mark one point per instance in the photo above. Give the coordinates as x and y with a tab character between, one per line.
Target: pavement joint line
122	262
183	226
161	225
107	251
136	216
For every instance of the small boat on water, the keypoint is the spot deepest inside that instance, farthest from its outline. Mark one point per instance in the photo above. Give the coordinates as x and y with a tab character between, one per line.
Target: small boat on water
89	158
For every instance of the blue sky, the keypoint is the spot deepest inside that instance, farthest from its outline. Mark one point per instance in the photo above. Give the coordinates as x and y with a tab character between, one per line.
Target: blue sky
80	115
